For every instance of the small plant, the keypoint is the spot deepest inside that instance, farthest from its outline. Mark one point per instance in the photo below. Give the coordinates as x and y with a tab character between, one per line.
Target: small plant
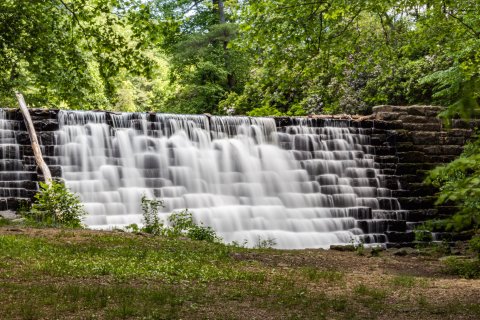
55	205
404	281
474	245
314	274
267	243
181	223
423	235
237	244
464	267
133	228
375	251
150	208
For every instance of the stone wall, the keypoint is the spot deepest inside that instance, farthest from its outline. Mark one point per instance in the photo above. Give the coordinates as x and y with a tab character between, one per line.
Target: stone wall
407	142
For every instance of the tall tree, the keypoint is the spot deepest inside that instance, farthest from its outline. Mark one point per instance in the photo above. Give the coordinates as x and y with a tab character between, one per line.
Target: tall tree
65	51
205	68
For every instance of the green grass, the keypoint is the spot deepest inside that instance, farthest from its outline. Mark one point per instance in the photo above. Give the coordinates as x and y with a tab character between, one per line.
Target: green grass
92	275
404	281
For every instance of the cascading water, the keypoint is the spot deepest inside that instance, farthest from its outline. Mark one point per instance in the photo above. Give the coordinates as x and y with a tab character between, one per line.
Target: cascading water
303	186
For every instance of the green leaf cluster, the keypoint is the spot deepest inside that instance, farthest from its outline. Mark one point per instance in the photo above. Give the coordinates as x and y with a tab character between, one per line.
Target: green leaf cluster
459	184
56	206
290	57
180	224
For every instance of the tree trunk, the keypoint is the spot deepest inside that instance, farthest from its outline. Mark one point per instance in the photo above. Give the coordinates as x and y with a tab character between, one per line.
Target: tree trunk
219	8
221	11
37	152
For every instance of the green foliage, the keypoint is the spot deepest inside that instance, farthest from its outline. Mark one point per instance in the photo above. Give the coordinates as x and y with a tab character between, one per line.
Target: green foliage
404	281
56	206
465	267
474	245
375	251
423	234
180	224
152	223
5	222
264	111
459	184
67	53
314	274
267	243
290	57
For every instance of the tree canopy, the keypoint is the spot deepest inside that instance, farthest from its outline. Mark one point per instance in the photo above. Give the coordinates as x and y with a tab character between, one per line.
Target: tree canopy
253	57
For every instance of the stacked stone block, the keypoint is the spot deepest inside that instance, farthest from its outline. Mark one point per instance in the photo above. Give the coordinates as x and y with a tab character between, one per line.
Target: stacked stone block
17	178
411	141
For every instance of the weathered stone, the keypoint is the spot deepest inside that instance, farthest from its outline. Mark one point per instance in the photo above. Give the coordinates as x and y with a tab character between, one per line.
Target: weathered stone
417	203
453	140
408	168
23	138
386	159
418	215
460	124
46	138
394	236
428	111
55	170
387	125
378	139
405	146
43	114
406	118
411	156
387	108
389	116
422	126
426	137
45	125
384	150
396	136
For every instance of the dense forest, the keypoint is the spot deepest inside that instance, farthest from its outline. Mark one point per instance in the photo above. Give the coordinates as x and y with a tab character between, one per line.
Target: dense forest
253	57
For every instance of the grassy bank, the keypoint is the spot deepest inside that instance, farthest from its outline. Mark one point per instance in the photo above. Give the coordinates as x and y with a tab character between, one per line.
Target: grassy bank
60	274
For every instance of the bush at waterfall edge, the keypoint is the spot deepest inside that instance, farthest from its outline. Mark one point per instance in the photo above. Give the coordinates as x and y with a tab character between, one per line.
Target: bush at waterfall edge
180	224
55	206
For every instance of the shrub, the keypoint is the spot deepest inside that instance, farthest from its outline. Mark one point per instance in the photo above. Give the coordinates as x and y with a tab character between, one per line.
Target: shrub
267	243
474	245
55	205
464	267
180	223
153	224
423	234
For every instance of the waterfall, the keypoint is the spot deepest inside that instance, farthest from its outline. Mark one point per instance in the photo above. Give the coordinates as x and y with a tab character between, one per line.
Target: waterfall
304	185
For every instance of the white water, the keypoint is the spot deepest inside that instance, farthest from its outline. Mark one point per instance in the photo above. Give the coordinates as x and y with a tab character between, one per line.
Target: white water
304	187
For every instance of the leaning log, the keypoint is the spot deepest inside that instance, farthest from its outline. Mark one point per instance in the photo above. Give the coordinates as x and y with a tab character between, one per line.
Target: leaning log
37	152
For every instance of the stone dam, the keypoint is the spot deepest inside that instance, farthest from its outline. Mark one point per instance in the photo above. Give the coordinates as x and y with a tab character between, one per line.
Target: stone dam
306	182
